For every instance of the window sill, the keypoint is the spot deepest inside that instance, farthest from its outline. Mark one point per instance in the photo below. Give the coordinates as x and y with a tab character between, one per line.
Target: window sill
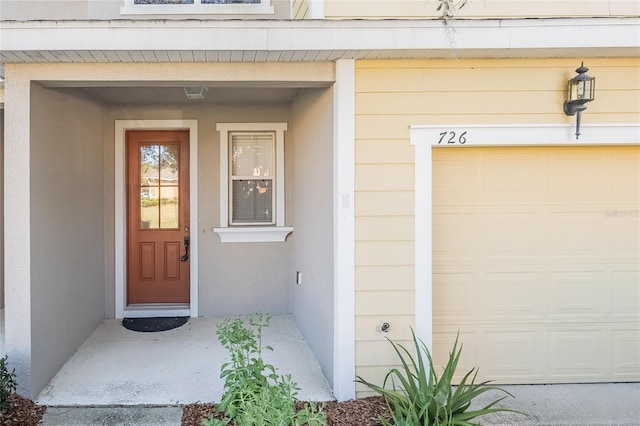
271	234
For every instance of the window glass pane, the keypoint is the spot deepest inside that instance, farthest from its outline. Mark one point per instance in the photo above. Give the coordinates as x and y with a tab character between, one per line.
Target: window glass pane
149	179
149	165
169	216
252	201
163	2
252	155
149	208
231	1
159	186
169	155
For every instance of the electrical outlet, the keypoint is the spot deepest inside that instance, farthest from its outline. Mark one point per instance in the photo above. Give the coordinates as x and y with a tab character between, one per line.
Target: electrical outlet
298	277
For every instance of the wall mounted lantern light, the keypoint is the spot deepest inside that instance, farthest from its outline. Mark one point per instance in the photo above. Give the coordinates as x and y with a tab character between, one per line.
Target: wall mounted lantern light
580	90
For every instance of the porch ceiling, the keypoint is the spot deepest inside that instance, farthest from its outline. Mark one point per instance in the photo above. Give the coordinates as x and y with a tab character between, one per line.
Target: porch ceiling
155	41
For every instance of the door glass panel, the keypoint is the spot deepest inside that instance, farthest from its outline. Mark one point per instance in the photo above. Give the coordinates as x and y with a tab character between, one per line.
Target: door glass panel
149	208
159	186
169	155
169	207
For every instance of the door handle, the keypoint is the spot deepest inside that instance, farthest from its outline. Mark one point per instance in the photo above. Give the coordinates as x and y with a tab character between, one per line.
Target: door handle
185	257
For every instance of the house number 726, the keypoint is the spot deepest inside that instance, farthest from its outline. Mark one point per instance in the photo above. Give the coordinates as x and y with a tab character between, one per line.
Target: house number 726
452	138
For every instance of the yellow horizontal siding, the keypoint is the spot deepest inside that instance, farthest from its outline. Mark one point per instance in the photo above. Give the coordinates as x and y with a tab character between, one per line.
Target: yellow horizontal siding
466	76
378	352
340	9
383	203
386	228
384	177
384	253
385	277
392	95
374	151
381	126
398	302
400	328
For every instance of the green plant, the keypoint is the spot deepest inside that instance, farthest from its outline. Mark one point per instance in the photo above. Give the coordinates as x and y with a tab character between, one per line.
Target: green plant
7	385
447	8
254	394
417	396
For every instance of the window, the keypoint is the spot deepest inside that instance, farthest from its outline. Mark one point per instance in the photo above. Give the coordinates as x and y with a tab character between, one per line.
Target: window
251	191
252	182
177	7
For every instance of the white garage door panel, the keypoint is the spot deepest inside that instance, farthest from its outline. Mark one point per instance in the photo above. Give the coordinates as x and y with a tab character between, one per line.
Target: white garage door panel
536	262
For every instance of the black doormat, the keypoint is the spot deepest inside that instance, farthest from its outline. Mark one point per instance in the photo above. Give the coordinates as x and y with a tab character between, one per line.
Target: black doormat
154	324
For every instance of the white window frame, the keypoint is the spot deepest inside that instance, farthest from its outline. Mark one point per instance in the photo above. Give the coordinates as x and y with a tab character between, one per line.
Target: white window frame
228	232
271	177
197	8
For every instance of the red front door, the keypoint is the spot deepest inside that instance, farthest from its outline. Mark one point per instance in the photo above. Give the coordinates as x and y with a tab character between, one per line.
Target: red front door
157	216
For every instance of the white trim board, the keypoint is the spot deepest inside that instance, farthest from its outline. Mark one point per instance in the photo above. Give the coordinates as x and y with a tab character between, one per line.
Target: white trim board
344	361
335	39
425	138
120	218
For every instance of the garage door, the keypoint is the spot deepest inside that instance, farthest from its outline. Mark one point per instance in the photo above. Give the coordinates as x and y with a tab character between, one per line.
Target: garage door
536	254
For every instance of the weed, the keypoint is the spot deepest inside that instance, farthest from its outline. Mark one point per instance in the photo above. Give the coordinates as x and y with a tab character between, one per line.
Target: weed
254	393
7	385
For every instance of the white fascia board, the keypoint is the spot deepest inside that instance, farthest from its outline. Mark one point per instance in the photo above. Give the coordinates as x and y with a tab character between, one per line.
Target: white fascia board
486	36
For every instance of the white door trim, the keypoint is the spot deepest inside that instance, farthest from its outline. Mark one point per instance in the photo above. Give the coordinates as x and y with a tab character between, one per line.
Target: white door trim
425	138
120	219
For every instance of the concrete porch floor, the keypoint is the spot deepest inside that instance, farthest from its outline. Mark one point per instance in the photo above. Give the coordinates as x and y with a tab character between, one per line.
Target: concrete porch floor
116	366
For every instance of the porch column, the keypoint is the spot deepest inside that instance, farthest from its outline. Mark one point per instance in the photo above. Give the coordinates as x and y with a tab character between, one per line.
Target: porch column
17	226
344	230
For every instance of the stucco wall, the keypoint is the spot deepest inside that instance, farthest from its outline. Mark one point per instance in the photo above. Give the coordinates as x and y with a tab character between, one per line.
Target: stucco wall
391	96
312	189
234	278
2	208
344	9
67	226
107	10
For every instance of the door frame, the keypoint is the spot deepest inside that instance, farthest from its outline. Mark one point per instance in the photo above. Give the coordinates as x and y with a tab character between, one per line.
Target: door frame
120	224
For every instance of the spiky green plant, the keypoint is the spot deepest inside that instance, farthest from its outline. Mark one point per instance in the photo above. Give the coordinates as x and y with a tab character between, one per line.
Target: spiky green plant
418	397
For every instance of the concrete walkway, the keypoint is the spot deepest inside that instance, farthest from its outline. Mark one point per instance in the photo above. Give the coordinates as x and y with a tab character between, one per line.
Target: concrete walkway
112	416
547	405
558	405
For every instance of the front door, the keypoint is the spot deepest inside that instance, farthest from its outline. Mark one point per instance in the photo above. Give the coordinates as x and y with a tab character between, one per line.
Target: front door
157	216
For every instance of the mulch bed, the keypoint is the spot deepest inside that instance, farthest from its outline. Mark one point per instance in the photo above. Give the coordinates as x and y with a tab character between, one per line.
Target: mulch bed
357	412
23	412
